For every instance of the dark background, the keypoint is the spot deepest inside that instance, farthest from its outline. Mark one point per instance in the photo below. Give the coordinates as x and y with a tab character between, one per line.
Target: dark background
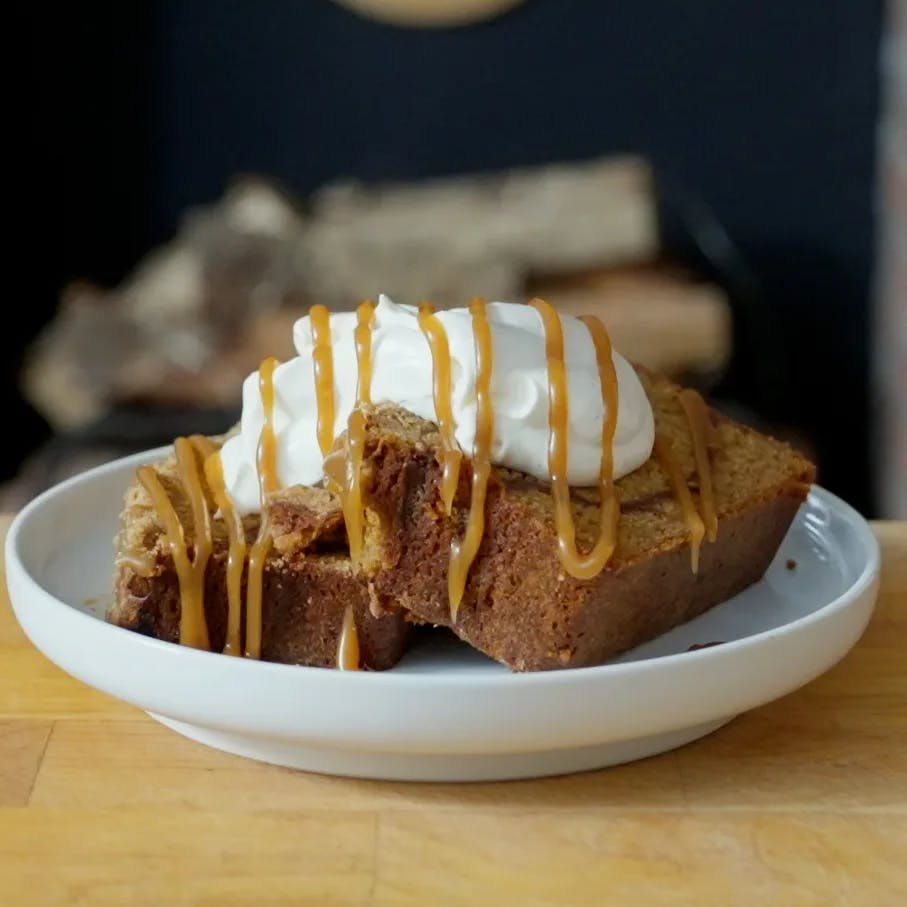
763	111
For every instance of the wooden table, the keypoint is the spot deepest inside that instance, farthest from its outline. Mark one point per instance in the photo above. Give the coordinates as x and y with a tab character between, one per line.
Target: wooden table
802	802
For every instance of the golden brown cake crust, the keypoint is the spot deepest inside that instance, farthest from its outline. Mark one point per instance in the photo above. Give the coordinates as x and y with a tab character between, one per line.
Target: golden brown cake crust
305	591
520	607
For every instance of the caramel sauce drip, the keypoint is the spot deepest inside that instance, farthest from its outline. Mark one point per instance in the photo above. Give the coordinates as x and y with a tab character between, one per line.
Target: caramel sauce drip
268	482
463	551
190	573
668	462
323	363
190	475
607	376
442	388
267	440
365	317
701	431
348	647
349	483
581	566
236	557
205	448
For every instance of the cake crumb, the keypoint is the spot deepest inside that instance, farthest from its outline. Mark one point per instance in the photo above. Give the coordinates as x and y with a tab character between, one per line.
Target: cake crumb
791	564
704	645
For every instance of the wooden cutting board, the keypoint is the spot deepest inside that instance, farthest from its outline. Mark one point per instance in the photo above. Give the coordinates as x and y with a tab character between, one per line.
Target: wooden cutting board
801	802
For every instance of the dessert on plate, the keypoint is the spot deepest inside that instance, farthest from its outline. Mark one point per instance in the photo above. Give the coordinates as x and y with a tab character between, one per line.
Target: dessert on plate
497	470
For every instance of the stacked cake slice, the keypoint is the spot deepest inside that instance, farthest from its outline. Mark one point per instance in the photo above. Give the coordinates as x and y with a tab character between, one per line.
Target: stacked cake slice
520	606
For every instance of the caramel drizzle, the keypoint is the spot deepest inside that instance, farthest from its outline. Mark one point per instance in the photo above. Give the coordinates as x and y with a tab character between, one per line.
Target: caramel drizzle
701	431
668	462
607	377
190	475
204	447
365	317
351	486
190	573
236	557
463	551
443	394
348	647
267	440
267	483
581	566
323	364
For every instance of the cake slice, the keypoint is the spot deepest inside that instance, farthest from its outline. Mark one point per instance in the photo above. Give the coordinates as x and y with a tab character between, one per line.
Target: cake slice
308	581
520	607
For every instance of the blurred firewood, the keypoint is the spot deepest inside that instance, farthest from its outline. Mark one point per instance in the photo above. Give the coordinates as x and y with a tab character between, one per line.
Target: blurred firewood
656	315
451	239
201	313
190	323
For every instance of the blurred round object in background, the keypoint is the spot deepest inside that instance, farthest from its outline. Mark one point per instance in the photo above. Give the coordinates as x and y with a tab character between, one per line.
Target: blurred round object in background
430	13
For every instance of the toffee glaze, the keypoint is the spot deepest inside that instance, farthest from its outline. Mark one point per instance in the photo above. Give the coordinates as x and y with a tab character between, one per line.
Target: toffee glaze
348	645
590	564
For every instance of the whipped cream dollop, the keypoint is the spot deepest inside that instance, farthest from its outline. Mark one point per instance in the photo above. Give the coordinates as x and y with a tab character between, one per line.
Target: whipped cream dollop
402	374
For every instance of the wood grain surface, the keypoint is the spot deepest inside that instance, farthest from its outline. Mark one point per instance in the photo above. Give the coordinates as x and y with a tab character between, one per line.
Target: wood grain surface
801	802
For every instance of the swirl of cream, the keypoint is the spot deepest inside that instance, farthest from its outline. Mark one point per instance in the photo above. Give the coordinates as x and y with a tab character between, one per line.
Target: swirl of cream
402	374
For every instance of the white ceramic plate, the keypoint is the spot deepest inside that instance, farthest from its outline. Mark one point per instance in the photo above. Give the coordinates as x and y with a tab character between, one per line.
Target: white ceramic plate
446	712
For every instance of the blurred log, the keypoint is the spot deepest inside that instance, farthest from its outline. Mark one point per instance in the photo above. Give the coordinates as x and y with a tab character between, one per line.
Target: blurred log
451	239
656	315
201	313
